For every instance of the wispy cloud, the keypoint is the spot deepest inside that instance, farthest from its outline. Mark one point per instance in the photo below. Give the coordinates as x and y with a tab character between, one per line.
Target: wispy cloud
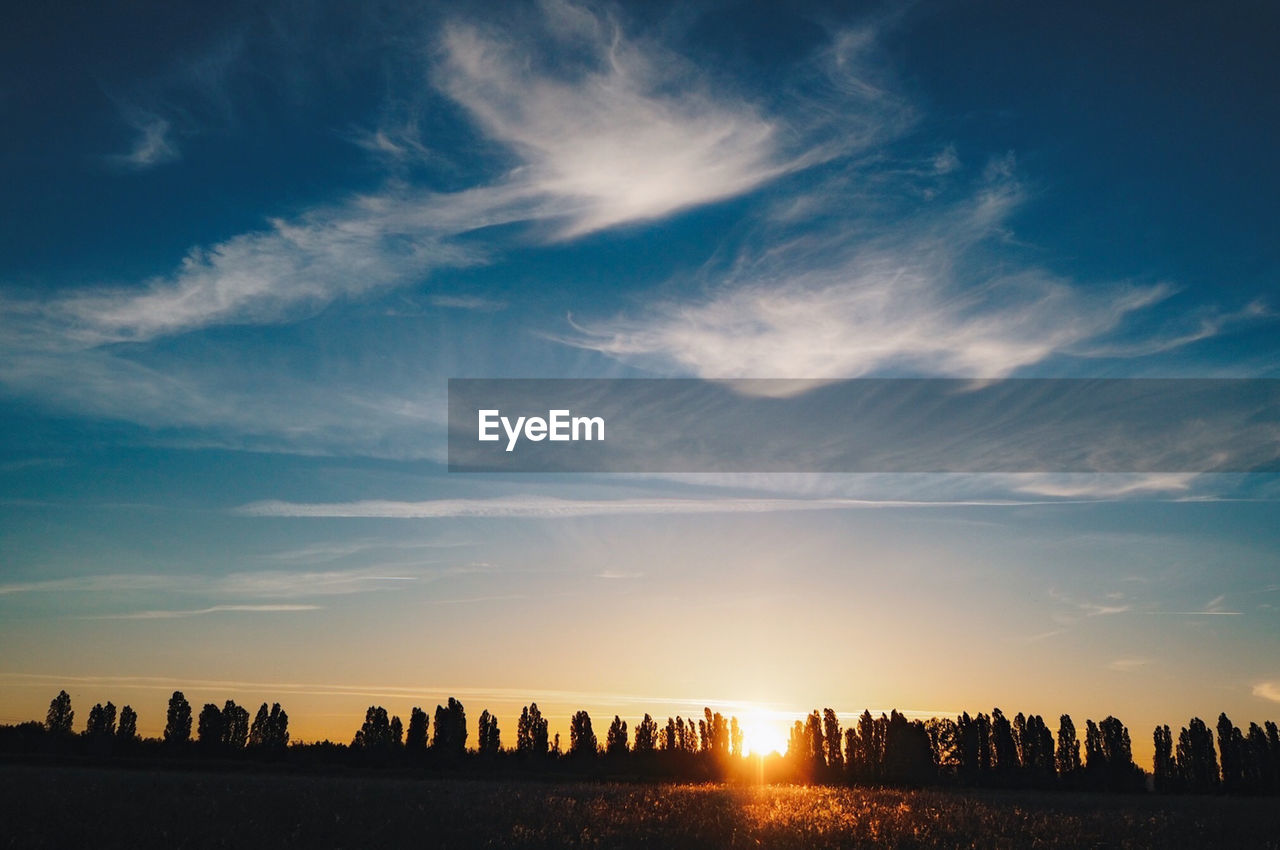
1203	323
272	583
546	507
946	160
466	302
1127	665
228	399
619	575
212	609
1217	605
153	146
1267	690
1002	488
634	135
335	551
1077	486
1113	604
1214	607
292	268
124	583
919	297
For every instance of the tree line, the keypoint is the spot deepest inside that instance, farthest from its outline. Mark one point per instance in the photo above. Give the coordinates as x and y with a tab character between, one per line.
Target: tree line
218	730
981	750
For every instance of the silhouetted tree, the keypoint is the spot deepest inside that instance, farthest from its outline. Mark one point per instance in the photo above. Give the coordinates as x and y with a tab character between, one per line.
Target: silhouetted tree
688	735
1020	741
870	755
102	721
799	753
374	735
907	756
415	738
235	726
60	716
1003	744
968	747
669	738
258	729
209	731
397	731
531	731
1037	751
851	756
943	742
490	739
717	739
831	738
1197	761
1271	758
582	740
675	734
735	738
986	760
449	738
1256	759
815	745
127	731
1094	756
1109	757
1068	753
1115	742
279	726
177	727
615	741
270	728
1230	755
1164	768
647	735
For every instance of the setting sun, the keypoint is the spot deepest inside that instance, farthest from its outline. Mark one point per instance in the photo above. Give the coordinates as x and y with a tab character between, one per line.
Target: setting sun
763	731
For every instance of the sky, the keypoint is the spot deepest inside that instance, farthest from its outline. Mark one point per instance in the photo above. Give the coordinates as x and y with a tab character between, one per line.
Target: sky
244	247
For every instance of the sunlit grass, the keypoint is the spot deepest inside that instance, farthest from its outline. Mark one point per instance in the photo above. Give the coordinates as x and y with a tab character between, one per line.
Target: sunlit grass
68	807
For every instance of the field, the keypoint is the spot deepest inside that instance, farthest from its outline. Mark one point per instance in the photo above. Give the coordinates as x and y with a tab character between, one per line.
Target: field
63	806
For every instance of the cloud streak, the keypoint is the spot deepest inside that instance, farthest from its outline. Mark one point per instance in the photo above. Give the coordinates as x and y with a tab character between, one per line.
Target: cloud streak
1127	665
275	583
1089	608
212	609
546	507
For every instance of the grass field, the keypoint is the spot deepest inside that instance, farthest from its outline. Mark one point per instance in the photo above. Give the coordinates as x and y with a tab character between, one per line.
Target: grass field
86	807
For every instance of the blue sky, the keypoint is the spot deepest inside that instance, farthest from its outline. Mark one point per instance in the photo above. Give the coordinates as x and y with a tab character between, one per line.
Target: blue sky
245	247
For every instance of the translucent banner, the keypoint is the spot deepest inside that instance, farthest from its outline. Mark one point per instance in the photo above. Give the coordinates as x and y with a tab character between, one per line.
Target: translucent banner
864	425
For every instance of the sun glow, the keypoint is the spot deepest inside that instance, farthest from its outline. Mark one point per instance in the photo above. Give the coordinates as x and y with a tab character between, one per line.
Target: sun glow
763	731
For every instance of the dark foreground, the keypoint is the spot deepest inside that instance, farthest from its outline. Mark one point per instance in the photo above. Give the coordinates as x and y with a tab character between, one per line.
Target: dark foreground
64	806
